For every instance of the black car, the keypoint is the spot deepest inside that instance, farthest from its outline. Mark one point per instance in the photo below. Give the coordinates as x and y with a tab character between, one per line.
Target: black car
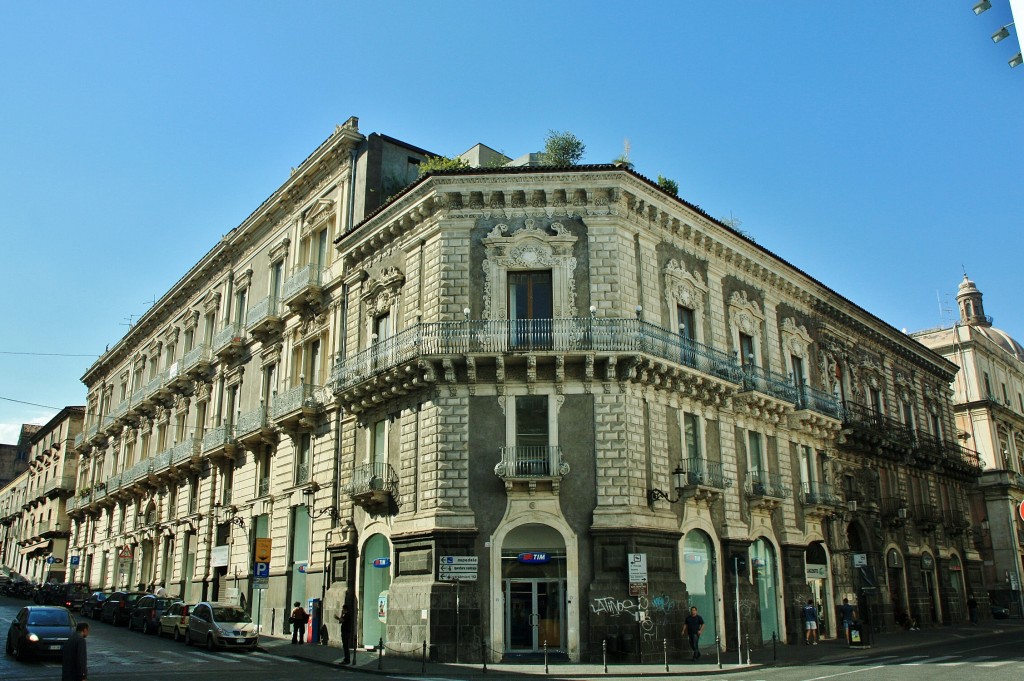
39	630
94	604
71	595
1000	613
146	614
118	606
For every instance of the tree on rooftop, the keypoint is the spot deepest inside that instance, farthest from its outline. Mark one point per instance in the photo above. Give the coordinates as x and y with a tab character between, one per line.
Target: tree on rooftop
563	148
434	164
670	186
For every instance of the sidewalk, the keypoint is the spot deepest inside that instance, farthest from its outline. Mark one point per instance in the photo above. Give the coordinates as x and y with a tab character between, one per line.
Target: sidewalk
829	651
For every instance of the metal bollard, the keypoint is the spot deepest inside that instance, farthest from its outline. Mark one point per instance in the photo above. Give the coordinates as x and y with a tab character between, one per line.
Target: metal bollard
483	653
545	656
604	653
273	620
380	654
775	654
748	649
664	647
718	648
423	667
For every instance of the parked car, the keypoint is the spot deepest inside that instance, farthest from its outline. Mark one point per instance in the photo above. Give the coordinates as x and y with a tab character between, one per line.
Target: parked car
146	614
221	625
46	594
39	630
94	604
174	621
1000	613
118	606
71	595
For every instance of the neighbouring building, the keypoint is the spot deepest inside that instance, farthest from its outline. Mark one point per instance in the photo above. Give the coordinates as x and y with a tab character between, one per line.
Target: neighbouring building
509	409
34	526
988	395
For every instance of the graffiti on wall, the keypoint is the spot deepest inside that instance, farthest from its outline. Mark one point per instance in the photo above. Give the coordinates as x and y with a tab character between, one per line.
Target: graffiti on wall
651	613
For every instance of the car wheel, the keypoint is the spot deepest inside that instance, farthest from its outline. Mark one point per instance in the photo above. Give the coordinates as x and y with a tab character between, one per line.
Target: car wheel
177	634
8	649
130	625
210	645
19	654
188	638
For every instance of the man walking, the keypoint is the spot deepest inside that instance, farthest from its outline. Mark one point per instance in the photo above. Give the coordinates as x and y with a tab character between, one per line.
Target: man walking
299	619
972	609
345	618
75	656
693	627
847	614
811	622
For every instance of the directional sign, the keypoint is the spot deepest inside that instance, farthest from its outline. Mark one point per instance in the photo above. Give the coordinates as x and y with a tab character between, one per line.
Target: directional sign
54	559
458	568
637	574
261	570
262	552
260	582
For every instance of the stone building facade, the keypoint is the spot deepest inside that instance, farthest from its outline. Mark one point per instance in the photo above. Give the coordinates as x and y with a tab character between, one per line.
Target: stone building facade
988	395
518	408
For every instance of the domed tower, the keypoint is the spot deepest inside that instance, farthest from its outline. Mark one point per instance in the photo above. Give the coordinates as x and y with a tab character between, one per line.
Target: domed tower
972	310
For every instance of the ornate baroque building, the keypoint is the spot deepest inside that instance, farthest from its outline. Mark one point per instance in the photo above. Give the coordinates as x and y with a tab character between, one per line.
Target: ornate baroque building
989	406
520	407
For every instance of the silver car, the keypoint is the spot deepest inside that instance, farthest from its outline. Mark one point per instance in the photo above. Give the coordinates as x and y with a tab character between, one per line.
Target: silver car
220	625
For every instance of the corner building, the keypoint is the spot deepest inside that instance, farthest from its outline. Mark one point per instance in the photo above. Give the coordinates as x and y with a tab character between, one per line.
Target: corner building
532	386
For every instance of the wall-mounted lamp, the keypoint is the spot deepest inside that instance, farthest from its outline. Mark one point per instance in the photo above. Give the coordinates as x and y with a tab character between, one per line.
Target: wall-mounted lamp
226	514
678	481
851	506
982	6
1016	60
1002	33
639	311
593	310
466	312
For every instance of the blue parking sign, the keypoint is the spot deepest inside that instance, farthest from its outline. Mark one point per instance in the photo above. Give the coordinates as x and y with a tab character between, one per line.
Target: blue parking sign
74	560
261	570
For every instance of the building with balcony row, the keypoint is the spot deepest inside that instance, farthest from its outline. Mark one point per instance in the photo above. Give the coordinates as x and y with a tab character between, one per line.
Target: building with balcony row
520	408
989	405
34	527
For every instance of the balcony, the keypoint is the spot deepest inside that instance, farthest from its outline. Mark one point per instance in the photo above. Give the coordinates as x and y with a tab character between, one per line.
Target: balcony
303	292
765	491
254	427
866	429
374	487
161	463
219	440
178	380
766	382
264	320
96	437
955	521
64	484
926	517
300	406
156	390
81	443
894	511
139	471
186	453
928	450
229	342
961	462
197	362
819	499
525	466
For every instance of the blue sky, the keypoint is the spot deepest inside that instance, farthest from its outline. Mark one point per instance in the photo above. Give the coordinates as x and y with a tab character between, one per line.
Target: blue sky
876	145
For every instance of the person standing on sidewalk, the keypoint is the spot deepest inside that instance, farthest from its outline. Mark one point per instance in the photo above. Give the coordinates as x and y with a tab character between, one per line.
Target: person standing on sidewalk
345	618
847	614
811	622
75	655
972	609
693	627
299	619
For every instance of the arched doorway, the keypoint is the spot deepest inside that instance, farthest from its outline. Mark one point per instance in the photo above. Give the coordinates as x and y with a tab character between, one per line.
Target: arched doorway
931	587
533	584
819	581
955	582
897	586
700	573
766	578
376	577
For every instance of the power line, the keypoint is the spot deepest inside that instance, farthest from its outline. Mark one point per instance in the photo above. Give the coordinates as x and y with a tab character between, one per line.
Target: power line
44	406
44	354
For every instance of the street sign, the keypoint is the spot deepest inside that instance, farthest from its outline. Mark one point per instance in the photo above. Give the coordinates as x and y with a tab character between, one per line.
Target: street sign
261	570
126	552
74	560
262	553
861	559
458	568
260	582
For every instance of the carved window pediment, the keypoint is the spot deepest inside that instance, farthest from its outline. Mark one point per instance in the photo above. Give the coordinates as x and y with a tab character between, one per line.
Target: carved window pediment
529	248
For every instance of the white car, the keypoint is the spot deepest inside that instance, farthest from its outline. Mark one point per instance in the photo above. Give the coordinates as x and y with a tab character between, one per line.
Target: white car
174	621
221	625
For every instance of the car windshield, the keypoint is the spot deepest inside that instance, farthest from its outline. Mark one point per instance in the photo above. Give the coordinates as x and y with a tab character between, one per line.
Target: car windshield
100	597
78	589
163	603
230	615
49	618
131	598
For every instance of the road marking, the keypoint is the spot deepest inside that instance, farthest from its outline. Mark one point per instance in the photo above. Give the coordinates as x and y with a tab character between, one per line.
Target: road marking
852	671
1000	663
934	660
276	658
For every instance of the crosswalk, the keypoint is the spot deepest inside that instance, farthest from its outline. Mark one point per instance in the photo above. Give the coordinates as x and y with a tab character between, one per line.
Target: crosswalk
102	658
984	661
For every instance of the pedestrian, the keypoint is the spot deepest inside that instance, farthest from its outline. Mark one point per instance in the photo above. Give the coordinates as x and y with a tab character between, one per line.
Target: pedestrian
847	614
75	656
693	627
345	619
972	609
811	622
299	619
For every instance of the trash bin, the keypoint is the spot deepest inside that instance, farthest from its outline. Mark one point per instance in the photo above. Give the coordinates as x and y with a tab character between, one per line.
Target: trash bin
858	635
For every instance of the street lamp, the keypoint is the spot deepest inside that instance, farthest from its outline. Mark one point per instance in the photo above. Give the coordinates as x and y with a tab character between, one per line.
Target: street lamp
678	481
982	6
1002	33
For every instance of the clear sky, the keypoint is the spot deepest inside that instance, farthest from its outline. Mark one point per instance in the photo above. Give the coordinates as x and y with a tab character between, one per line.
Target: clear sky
876	145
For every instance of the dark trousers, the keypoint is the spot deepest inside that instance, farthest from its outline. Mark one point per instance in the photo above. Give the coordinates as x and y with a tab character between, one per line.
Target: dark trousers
298	633
694	644
346	645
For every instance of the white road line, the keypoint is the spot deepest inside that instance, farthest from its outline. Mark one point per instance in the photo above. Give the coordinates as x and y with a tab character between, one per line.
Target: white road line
276	658
930	660
1000	663
852	671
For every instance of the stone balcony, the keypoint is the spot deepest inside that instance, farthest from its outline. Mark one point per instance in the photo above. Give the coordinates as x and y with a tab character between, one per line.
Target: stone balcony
765	490
197	362
532	467
299	407
264	319
253	428
303	292
229	342
374	487
219	441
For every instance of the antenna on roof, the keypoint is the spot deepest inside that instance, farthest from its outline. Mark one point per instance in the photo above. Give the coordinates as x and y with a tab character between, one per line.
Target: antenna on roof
129	321
945	309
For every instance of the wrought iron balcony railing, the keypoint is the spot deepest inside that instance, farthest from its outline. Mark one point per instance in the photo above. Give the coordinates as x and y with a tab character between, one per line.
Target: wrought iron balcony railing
762	484
218	436
699	472
768	382
161	461
136	472
155	384
228	337
926	516
531	461
962	459
305	277
819	494
303	396
60	483
79	440
186	450
251	422
894	508
819	401
373	478
196	359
